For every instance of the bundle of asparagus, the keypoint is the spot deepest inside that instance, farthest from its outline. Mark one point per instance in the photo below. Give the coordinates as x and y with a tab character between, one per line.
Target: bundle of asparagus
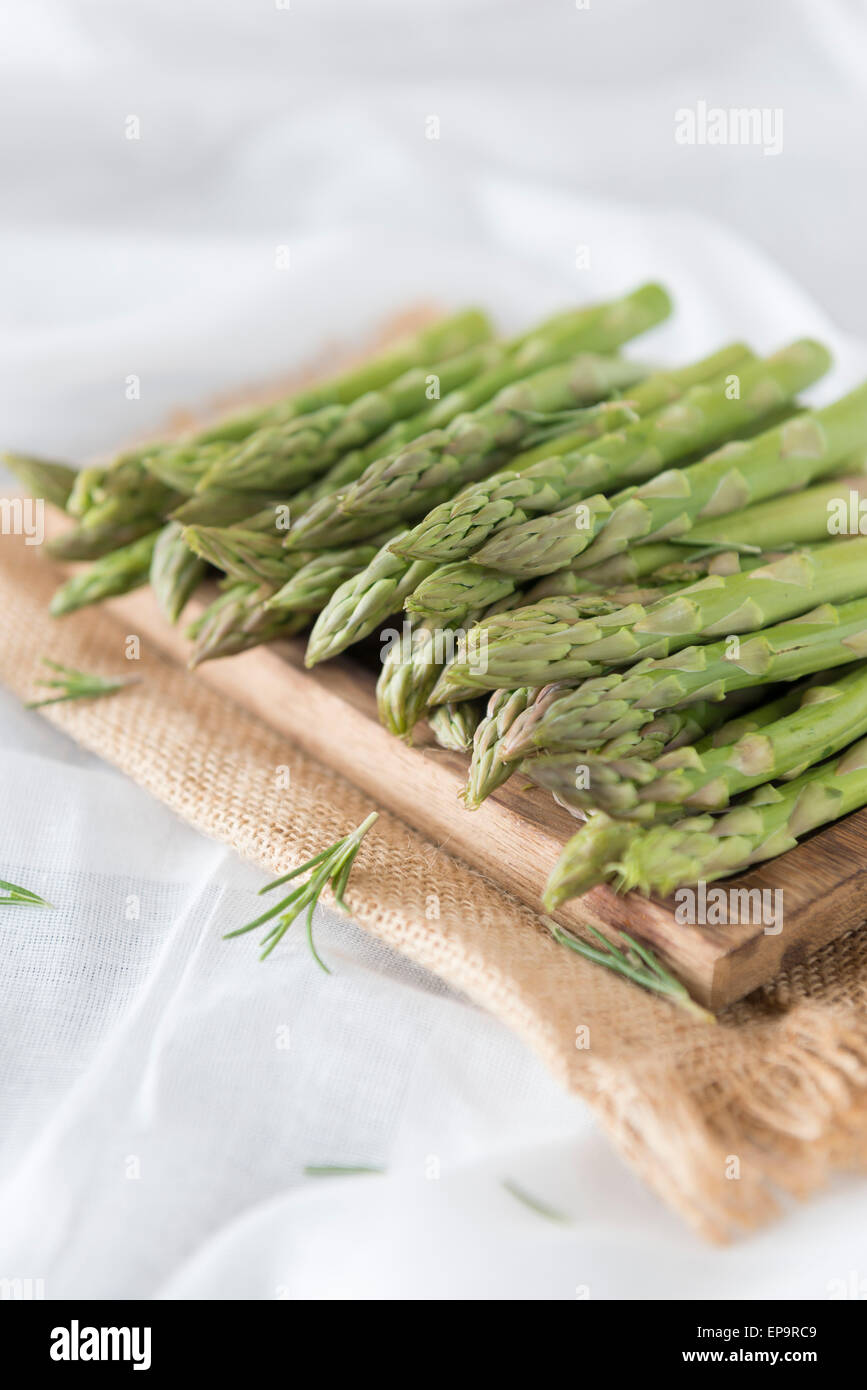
649	575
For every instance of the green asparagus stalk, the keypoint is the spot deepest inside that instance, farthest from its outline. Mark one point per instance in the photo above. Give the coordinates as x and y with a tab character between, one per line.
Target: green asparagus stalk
486	771
87	483
442	461
564	774
311	587
831	717
111	500
701	419
600	328
590	856
97	541
451	592
542	479
325	524
799	519
548	641
117	573
390	581
599	709
410	669
362	603
115	507
584	860
769	823
596	330
53	482
783	460
446	338
221	508
182	466
237	620
289	454
245	554
409	672
454	726
607	325
175	572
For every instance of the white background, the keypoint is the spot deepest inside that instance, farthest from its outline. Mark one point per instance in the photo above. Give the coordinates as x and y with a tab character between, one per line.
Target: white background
154	1047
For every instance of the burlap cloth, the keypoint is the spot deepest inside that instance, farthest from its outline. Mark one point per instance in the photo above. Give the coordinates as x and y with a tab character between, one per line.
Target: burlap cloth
780	1084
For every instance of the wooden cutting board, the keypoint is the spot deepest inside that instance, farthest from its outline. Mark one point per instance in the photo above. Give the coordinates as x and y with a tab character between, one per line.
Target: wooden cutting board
516	835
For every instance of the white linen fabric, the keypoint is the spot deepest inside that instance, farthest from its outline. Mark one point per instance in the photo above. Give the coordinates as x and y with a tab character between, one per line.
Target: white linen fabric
161	1091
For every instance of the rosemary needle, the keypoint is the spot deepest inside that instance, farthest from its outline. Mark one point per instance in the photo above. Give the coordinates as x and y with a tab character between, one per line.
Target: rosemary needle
76	685
12	895
541	1208
636	963
337	1170
331	866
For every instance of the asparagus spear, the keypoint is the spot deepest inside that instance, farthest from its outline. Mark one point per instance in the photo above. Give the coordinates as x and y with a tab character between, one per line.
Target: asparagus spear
310	587
486	771
548	641
220	508
128	499
783	460
705	416
438	457
53	482
115	507
175	571
829	636
390	581
831	717
798	519
597	329
291	453
446	338
238	619
584	860
453	726
96	542
409	672
769	823
117	573
441	461
362	603
244	553
542	479
560	774
451	592
602	327
588	858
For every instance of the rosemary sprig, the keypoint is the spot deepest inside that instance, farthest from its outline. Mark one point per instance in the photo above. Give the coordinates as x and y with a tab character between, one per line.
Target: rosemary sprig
636	963
77	685
11	895
330	866
534	1203
337	1170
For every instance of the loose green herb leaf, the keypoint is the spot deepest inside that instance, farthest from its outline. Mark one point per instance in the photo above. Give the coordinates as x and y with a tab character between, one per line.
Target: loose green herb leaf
11	894
636	963
541	1208
77	685
330	866
337	1170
